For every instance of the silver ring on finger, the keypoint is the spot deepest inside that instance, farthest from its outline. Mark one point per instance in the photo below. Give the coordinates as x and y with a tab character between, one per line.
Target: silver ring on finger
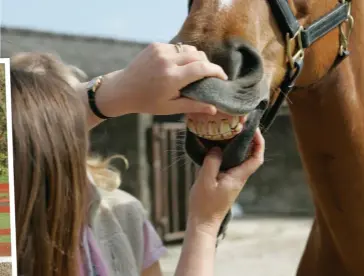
179	47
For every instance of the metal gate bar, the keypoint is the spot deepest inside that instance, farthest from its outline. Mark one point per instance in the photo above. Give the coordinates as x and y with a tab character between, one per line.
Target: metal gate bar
173	174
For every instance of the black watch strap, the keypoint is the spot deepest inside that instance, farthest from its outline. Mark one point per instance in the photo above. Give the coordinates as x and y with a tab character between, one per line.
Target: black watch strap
91	93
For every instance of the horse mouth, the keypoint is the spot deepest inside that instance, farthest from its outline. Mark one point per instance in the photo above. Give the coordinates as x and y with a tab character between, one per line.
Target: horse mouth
232	128
240	101
233	134
221	127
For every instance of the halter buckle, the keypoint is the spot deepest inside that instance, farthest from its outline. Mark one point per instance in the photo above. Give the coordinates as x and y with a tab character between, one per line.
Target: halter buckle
300	53
344	35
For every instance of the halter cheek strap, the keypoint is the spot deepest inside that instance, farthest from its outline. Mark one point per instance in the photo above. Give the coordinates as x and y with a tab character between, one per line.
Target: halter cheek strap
304	38
288	23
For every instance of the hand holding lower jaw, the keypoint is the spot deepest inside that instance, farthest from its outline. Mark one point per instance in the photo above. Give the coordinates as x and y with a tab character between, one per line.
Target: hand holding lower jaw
214	192
152	82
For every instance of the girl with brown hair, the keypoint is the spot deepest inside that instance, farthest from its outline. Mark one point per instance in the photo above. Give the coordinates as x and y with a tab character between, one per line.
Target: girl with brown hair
63	222
50	149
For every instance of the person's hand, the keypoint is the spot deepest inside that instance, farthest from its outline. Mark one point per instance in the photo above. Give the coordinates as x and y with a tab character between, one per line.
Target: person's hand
152	82
155	77
213	193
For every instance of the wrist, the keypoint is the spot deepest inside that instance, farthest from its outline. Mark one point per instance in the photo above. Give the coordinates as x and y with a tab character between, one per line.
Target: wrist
198	250
208	227
112	98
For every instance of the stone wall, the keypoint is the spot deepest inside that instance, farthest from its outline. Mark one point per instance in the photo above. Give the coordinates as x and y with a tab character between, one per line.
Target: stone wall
280	185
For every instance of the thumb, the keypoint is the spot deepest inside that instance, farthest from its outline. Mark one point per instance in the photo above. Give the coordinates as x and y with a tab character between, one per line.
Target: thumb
245	170
211	164
185	105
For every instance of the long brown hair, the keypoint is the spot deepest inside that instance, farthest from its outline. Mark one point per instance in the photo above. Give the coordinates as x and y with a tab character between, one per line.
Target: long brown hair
50	150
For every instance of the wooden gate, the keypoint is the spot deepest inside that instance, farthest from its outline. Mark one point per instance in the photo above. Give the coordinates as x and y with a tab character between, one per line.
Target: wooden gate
173	174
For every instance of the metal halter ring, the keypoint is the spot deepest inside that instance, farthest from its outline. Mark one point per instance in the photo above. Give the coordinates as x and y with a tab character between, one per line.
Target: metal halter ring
179	47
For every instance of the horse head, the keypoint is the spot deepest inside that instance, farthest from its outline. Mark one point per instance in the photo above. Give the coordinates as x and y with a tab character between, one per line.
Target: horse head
245	38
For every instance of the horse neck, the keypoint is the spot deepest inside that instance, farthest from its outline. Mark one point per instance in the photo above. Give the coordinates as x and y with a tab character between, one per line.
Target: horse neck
329	124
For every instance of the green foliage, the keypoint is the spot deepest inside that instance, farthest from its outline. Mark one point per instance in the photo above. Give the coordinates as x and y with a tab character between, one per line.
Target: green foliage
3	131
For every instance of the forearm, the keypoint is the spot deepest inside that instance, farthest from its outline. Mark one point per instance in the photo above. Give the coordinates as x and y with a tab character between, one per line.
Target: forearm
198	252
108	99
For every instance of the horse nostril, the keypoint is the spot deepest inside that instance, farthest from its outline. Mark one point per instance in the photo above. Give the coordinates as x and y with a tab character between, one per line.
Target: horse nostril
230	59
240	61
252	62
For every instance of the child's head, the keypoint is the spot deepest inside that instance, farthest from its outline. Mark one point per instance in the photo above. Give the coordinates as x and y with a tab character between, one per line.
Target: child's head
50	150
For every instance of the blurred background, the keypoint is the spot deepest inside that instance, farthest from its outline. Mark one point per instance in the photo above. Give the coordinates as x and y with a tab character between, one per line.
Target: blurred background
273	214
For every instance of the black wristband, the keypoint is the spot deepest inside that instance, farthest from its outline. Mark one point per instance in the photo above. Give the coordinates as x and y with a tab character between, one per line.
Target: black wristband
92	87
92	102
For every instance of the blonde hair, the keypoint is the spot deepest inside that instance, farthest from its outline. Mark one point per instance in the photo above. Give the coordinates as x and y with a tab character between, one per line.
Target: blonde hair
103	174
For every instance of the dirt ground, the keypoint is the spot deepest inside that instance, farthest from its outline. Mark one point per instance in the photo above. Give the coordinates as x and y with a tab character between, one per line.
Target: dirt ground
5	269
255	247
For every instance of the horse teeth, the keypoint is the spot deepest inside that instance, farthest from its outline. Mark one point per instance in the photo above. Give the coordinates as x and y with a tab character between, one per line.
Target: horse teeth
209	128
227	135
234	121
215	131
216	138
214	128
224	127
200	128
191	126
238	128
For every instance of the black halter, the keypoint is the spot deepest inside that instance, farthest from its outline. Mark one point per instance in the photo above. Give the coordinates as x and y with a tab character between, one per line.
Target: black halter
304	37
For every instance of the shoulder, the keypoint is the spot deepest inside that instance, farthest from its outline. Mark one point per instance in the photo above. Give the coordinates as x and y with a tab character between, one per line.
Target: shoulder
117	201
122	203
118	226
124	211
117	220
